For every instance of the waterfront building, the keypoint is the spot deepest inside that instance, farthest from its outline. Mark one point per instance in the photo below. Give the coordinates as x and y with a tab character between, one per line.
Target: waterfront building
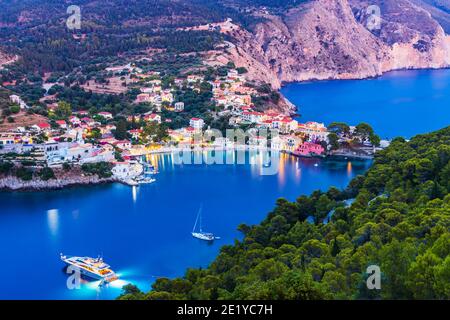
55	152
315	131
122	144
81	113
80	151
309	149
252	116
287	125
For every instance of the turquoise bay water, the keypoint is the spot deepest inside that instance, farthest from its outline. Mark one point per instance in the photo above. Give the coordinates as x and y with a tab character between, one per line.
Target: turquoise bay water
400	103
143	232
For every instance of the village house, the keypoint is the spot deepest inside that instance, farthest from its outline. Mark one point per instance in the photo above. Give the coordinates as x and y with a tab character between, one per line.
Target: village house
18	100
79	151
258	141
123	144
121	170
153	117
216	84
81	113
266	124
6	141
75	121
167	96
88	121
221	100
42	126
61	123
197	123
194	78
179	106
315	131
135	118
55	152
143	97
287	125
135	133
147	90
108	140
252	116
106	115
286	143
309	149
104	154
107	129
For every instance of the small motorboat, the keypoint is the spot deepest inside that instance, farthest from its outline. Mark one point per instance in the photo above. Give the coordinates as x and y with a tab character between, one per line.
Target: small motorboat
145	180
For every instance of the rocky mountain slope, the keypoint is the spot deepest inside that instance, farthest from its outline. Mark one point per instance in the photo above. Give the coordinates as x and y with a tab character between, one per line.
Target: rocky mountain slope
276	40
323	39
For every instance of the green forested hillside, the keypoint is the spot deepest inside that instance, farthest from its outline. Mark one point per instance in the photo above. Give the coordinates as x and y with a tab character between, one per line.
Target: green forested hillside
399	220
36	30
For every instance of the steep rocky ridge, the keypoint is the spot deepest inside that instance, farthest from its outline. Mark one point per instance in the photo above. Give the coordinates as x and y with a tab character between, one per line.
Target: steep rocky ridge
323	39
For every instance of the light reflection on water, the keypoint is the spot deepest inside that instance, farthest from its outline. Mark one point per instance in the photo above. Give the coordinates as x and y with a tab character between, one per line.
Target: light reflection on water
349	169
52	220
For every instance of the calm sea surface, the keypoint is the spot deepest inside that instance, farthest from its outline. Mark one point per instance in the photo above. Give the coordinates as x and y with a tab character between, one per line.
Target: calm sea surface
400	103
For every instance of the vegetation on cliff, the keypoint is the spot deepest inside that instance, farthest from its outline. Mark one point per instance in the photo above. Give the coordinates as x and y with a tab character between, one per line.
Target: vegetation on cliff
399	220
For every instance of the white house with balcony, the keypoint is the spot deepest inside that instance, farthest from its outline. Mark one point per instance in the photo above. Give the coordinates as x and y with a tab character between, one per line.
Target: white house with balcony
197	123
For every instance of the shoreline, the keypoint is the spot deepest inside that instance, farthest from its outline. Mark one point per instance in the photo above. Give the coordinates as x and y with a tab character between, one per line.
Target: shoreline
14	184
331	79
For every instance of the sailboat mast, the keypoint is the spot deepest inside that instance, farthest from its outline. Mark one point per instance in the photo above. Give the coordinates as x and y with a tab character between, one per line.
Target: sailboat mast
196	220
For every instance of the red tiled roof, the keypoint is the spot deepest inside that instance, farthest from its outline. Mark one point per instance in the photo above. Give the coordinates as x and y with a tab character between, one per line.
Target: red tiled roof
43	125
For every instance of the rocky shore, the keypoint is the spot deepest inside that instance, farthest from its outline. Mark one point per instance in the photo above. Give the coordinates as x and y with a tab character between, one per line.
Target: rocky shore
11	183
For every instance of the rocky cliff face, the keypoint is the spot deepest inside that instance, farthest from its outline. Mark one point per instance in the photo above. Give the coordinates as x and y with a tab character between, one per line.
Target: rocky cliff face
324	39
12	183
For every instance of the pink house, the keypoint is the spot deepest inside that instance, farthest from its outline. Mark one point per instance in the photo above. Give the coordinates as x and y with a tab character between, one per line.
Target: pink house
74	120
143	97
309	149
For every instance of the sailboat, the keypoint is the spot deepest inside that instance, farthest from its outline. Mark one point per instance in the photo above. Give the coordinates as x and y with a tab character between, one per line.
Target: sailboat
200	234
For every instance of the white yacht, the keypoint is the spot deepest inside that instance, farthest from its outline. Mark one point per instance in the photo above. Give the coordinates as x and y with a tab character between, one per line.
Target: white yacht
93	268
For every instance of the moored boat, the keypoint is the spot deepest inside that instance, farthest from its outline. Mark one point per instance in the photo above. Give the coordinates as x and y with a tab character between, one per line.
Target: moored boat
93	268
205	236
145	180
